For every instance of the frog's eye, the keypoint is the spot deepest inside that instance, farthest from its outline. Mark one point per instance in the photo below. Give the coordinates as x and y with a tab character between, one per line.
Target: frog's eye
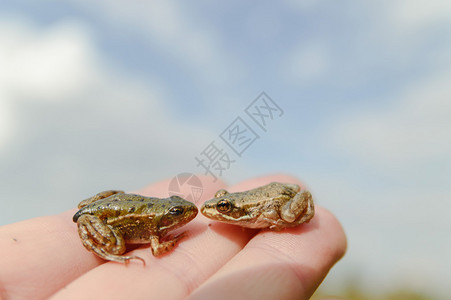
223	206
176	211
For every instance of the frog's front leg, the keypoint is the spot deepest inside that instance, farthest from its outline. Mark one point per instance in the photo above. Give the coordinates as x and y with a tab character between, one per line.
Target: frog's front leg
101	239
300	206
159	248
101	195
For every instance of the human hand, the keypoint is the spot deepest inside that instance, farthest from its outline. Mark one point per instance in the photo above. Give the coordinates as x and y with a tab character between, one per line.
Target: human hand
44	257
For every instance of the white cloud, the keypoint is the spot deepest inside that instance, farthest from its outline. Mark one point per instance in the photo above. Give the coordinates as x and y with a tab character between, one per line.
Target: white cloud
263	25
44	64
414	127
40	64
78	123
303	6
412	15
392	230
6	121
167	26
401	209
308	63
61	64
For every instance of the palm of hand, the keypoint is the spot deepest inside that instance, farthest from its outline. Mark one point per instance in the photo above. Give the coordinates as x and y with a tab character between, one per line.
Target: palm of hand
44	257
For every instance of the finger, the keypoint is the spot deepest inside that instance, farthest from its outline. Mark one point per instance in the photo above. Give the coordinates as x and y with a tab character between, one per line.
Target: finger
197	257
280	265
119	281
41	255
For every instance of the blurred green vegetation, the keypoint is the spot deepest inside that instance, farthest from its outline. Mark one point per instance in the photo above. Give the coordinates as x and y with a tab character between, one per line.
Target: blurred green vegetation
360	295
354	292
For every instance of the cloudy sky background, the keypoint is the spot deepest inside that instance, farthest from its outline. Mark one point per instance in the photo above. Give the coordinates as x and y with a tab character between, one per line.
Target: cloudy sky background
99	95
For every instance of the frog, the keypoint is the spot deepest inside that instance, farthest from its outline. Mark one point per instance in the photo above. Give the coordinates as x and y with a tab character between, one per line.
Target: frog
273	206
110	219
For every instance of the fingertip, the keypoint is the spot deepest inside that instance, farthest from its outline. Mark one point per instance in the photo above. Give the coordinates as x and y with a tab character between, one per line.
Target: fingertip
334	231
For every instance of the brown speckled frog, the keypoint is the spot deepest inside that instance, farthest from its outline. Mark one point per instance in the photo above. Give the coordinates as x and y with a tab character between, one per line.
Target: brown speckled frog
110	219
274	206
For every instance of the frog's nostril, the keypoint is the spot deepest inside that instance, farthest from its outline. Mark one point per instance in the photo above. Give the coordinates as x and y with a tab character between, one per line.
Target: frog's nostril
76	216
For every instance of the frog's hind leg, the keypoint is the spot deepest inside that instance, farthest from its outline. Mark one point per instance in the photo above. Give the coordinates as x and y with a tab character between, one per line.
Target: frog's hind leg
300	206
109	256
101	195
99	238
309	211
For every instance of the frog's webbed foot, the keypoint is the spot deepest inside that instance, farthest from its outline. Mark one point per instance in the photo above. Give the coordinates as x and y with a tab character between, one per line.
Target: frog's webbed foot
159	248
118	258
101	195
101	239
300	206
276	224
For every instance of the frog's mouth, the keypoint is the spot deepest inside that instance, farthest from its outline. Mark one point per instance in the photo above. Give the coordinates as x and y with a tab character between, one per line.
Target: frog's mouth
209	210
205	209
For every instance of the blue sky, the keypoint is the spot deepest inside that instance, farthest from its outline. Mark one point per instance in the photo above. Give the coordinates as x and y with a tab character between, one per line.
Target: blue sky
117	95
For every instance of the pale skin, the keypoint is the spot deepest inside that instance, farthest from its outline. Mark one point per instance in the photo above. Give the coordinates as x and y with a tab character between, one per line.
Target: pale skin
43	257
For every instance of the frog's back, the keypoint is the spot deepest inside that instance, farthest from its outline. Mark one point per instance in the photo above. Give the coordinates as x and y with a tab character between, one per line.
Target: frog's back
118	205
260	196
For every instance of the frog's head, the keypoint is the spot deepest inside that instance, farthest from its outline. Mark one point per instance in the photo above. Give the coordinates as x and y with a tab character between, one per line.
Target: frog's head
178	213
223	207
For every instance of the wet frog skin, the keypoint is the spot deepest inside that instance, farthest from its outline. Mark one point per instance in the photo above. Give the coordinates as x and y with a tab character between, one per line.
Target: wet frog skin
274	206
110	219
